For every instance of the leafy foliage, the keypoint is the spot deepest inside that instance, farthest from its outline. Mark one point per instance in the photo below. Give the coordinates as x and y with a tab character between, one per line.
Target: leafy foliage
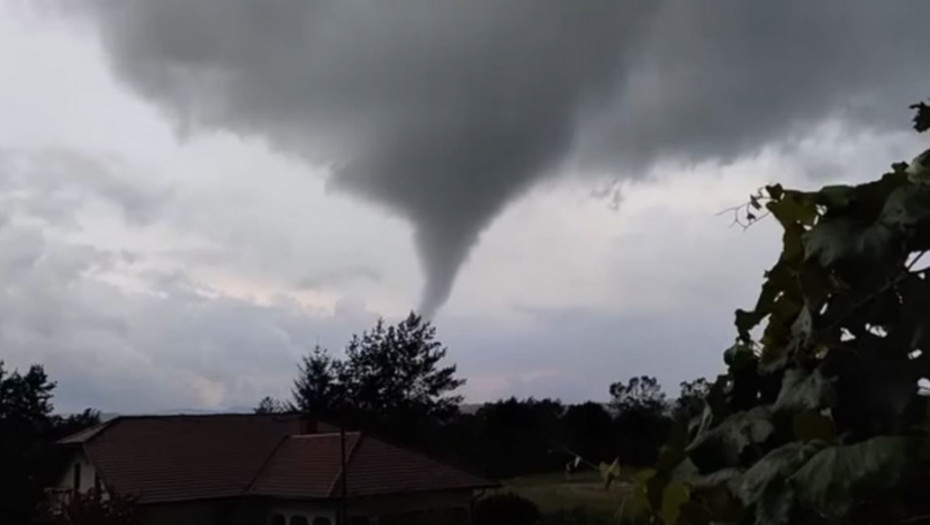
588	431
818	418
640	394
690	401
397	369
641	419
318	388
25	422
519	437
90	509
270	405
28	429
392	371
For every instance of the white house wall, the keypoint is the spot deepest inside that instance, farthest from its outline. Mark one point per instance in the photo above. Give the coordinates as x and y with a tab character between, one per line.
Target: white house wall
88	473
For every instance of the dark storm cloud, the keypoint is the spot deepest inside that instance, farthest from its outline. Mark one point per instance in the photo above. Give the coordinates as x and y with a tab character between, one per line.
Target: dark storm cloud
444	111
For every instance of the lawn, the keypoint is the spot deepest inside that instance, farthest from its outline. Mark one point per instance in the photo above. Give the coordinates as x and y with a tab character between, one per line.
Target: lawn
584	490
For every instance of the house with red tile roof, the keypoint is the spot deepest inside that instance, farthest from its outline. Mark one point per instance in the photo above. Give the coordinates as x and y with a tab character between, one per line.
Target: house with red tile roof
263	469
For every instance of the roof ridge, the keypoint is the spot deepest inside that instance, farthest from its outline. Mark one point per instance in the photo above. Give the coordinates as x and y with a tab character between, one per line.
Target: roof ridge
349	455
92	432
210	414
264	465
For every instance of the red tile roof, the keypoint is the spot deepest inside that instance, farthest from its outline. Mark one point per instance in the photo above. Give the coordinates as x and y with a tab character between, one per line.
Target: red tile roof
175	458
304	466
310	466
377	468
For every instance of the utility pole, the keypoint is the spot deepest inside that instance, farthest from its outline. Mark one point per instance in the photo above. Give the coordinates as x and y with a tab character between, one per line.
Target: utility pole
345	473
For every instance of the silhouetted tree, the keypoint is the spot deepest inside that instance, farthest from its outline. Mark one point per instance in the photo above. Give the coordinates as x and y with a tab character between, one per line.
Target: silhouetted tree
640	394
25	423
66	425
320	383
690	401
396	370
641	423
28	459
521	437
589	431
270	405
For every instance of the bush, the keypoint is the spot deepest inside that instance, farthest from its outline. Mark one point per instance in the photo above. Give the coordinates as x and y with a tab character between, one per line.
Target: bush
506	509
89	508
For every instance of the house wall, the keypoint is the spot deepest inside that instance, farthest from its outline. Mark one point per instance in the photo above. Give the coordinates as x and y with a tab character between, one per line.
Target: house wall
388	510
308	509
207	512
193	513
88	473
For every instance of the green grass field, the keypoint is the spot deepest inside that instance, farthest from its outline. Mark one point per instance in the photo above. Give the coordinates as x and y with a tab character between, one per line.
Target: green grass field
583	490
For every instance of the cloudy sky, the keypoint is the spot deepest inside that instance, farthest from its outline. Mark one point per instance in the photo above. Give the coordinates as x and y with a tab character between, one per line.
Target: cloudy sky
196	192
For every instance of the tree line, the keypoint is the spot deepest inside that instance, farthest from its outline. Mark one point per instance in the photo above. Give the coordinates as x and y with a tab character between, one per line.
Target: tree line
393	381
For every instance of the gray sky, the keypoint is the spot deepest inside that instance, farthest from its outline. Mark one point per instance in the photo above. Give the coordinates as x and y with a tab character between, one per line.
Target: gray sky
197	192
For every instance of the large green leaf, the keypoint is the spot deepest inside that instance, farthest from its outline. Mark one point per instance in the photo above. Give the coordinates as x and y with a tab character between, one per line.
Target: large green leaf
714	479
907	206
837	239
775	507
673	497
802	390
811	425
723	446
836	477
794	207
919	170
836	197
780	463
764	486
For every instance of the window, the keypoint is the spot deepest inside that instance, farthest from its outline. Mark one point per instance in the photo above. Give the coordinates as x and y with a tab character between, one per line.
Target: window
77	477
278	519
298	520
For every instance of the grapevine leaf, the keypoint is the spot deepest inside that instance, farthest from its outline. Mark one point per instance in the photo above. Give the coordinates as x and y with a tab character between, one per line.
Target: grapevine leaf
693	513
836	197
922	117
919	170
840	239
714	479
802	390
764	486
775	191
836	477
780	463
774	508
810	425
723	445
794	208
673	497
